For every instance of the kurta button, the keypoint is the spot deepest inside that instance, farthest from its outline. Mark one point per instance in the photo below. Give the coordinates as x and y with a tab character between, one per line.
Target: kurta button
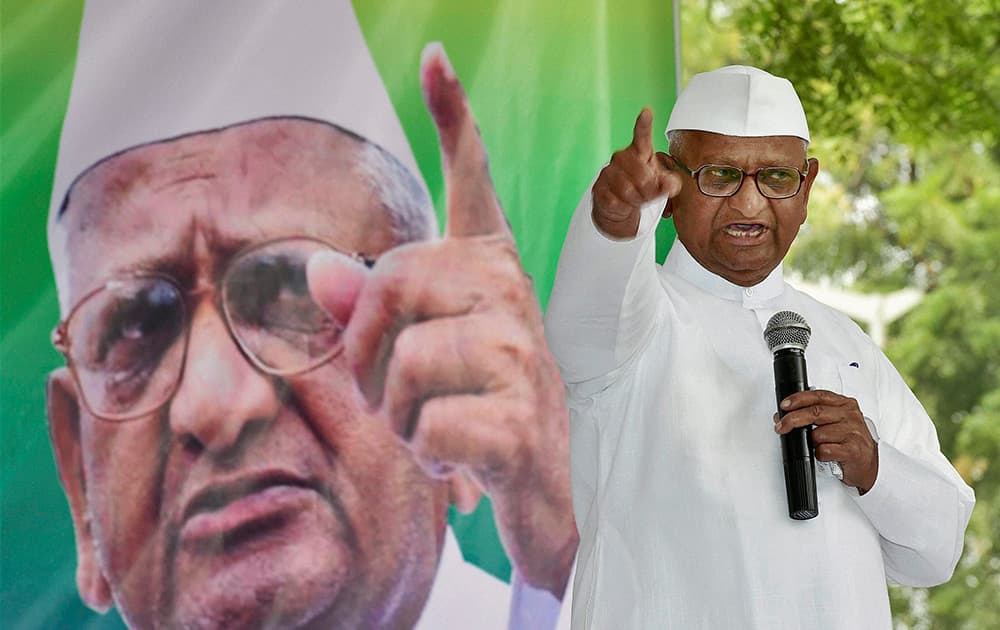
749	292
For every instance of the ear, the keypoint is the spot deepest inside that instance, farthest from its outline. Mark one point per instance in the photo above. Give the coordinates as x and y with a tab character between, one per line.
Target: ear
807	184
64	432
667	163
463	492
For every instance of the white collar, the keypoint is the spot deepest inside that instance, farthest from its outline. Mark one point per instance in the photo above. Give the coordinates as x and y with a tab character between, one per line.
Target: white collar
680	262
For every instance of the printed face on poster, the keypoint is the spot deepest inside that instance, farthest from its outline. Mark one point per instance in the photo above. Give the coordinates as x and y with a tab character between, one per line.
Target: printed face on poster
234	446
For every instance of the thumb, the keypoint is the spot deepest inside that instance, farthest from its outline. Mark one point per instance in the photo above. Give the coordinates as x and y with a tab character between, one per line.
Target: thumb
335	281
670	179
472	205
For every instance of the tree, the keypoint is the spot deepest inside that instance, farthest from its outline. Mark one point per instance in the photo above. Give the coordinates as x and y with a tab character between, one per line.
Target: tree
904	99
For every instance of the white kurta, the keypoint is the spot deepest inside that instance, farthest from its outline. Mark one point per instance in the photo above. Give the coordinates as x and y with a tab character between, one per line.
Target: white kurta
678	486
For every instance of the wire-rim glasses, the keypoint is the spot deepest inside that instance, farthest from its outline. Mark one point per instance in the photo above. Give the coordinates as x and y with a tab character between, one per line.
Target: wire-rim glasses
126	341
723	180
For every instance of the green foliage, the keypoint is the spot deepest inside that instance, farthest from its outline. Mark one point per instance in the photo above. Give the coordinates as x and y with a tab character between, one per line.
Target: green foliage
920	69
903	100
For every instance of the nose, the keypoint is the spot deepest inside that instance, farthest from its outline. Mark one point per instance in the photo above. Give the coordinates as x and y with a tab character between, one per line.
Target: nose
221	394
747	200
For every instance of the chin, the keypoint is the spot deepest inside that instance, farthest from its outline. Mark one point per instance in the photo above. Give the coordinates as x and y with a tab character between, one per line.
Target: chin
271	599
751	268
284	580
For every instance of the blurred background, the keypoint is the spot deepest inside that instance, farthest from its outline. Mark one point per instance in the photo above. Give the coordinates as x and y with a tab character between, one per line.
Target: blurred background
903	234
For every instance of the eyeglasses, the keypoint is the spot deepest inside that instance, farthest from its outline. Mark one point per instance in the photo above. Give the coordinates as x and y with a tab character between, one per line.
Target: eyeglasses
126	341
720	180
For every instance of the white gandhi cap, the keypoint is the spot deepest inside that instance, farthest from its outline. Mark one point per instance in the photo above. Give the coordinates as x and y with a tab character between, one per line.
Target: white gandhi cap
149	71
740	101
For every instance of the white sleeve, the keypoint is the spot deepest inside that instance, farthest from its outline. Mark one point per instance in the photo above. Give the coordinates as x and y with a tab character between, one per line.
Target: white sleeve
919	504
604	299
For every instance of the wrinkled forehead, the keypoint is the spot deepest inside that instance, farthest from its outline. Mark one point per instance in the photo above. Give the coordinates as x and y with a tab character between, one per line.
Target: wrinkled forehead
705	146
221	191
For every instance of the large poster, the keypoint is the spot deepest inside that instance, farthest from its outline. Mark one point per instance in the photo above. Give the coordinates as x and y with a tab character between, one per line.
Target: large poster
181	184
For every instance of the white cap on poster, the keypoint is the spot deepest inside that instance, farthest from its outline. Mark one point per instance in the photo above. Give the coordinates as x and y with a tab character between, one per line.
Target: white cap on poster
148	71
740	101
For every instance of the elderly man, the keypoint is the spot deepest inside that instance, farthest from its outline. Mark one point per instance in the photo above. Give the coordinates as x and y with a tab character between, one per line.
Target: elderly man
677	472
239	454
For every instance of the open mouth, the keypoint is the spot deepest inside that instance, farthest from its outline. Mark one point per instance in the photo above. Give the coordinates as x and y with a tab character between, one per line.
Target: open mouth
744	230
226	513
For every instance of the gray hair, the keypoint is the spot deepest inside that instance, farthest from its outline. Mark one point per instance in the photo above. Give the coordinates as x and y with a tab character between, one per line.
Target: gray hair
677	140
404	199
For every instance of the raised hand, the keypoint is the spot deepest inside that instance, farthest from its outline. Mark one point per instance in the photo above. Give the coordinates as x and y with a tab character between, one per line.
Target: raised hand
636	175
446	343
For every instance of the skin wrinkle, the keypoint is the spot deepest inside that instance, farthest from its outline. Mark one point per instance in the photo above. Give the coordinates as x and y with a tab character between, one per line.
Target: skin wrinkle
203	242
700	219
677	140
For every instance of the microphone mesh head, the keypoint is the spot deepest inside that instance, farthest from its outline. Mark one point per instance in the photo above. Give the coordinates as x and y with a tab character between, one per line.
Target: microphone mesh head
787	329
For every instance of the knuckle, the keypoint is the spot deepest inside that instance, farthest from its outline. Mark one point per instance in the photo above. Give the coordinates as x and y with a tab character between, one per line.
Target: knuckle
516	347
505	279
516	291
406	353
603	196
506	250
422	446
517	443
503	458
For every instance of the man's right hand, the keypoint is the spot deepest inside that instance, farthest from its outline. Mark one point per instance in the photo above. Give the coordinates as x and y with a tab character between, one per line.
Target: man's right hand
636	175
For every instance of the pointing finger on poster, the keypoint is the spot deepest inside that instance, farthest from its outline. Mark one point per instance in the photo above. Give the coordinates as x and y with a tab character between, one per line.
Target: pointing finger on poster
472	205
446	345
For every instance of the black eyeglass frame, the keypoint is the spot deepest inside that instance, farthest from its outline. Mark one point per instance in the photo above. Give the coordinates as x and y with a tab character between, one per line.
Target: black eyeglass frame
62	341
743	175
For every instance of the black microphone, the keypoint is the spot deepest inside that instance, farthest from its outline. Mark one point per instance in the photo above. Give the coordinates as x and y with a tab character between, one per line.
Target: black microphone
787	335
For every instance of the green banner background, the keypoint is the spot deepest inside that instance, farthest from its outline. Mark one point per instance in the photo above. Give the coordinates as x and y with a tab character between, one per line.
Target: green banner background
555	88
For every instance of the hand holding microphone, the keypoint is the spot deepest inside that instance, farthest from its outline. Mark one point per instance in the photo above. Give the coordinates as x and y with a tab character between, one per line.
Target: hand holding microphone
839	435
814	423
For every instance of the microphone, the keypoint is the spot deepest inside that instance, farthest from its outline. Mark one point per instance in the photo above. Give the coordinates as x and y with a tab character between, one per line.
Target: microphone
787	335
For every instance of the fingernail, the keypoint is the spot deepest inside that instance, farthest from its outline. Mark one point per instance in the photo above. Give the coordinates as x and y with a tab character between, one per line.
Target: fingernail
785	404
777	428
318	265
442	92
436	48
775	418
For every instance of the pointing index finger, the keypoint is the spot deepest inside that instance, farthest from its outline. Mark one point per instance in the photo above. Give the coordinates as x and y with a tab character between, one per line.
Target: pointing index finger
642	134
472	205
